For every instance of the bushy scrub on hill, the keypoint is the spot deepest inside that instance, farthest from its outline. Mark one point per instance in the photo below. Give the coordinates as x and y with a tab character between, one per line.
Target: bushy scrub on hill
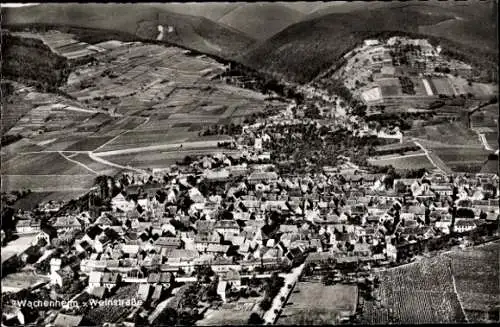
32	62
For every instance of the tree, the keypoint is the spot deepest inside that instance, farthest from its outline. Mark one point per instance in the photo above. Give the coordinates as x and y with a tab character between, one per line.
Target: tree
265	304
255	319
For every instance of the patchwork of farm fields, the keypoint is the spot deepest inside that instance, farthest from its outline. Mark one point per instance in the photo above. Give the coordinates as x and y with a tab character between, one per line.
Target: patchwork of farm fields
138	105
486	117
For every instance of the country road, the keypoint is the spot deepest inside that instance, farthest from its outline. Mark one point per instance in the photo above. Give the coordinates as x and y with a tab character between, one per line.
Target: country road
109	163
485	142
78	163
270	316
434	159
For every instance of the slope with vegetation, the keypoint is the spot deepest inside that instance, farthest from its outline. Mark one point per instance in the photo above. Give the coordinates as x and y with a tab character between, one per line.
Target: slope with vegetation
141	20
32	62
308	48
261	20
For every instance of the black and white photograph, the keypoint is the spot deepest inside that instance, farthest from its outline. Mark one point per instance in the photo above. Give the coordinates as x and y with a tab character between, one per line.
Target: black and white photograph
249	163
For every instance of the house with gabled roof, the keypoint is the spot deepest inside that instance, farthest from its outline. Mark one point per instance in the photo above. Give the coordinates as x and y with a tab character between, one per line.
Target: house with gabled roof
121	203
168	242
67	224
227	228
202	241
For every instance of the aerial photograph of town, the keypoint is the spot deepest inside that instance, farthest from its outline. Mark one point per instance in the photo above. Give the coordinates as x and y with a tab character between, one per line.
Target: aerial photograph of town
250	163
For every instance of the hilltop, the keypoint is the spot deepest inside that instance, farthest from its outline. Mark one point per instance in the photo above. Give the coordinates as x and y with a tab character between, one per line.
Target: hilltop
305	49
261	20
194	32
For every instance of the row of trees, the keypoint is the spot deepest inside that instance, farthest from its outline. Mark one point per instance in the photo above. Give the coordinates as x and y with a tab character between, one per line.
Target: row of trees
271	289
261	82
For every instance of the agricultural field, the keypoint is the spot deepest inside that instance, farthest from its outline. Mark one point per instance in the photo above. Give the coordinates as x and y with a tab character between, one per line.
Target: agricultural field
415	293
390	87
476	275
47	183
449	133
159	158
89	143
230	313
23	145
134	106
486	117
12	112
144	138
462	155
492	139
98	167
415	161
51	117
116	127
419	87
330	302
461	86
442	86
50	163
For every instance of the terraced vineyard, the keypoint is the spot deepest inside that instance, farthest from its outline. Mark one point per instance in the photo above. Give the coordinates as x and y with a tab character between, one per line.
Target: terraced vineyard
476	275
416	293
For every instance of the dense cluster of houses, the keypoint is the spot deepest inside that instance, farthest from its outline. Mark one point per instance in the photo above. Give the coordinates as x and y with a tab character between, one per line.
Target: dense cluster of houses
259	222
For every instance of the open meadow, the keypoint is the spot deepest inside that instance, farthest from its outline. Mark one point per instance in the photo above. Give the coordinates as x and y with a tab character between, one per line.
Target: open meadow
315	303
